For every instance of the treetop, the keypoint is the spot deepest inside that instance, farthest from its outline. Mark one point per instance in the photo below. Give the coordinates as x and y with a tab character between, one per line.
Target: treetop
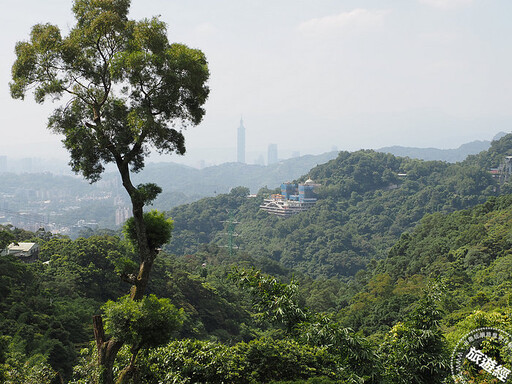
124	87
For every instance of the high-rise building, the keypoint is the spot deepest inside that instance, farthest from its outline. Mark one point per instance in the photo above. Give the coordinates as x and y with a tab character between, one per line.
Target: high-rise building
272	154
240	146
122	214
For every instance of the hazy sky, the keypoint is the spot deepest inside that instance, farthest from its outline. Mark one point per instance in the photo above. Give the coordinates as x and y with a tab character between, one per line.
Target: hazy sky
308	75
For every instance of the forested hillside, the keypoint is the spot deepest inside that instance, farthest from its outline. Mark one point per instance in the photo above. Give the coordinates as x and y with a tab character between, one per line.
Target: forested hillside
366	201
399	273
65	200
468	252
244	326
358	259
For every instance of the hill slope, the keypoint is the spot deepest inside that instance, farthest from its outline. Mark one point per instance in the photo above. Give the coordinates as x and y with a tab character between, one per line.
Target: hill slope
468	251
364	206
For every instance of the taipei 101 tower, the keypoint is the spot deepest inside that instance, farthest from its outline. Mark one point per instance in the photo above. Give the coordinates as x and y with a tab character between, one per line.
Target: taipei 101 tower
240	147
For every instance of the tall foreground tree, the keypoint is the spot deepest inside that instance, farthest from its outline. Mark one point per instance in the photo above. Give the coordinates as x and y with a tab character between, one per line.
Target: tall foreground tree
124	89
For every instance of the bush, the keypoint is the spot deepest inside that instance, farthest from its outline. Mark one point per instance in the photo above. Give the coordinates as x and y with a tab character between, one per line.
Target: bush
259	361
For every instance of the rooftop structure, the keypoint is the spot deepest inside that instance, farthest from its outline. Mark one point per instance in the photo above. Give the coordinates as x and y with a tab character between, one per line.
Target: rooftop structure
26	252
293	199
504	170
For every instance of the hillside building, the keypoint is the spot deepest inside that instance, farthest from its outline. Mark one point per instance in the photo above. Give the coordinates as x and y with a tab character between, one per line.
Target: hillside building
293	199
504	171
26	252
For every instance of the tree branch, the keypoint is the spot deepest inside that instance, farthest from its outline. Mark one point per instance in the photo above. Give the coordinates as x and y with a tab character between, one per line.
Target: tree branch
129	278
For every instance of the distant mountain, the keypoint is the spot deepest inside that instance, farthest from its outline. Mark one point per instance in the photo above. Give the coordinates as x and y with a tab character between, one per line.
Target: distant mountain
65	200
448	155
182	184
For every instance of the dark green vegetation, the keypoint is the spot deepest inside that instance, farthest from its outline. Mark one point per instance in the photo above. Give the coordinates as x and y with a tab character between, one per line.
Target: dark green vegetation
364	207
127	89
432	258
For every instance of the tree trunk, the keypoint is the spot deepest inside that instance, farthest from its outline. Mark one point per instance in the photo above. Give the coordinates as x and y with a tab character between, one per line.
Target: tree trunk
129	371
107	351
138	289
146	254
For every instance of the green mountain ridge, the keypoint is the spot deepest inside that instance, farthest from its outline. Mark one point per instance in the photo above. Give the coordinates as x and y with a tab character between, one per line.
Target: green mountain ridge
361	258
364	206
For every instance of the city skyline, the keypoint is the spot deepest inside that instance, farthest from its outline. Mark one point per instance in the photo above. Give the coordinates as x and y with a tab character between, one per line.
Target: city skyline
424	73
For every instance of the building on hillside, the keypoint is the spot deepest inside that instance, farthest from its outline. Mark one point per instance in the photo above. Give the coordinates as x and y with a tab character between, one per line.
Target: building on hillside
240	144
26	252
504	170
122	214
495	172
293	199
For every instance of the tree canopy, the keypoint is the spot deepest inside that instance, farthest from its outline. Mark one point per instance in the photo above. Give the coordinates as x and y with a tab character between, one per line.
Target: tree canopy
124	87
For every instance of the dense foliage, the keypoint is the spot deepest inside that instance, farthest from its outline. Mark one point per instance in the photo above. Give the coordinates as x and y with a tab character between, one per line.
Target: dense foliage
391	322
366	201
400	279
469	251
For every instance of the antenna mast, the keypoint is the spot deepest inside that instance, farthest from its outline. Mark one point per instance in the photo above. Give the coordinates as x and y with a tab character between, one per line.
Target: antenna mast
230	232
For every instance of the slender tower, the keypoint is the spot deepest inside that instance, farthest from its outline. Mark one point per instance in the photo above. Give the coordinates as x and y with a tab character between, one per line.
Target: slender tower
240	147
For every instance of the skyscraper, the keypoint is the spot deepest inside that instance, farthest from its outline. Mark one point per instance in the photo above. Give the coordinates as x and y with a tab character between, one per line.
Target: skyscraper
272	154
240	147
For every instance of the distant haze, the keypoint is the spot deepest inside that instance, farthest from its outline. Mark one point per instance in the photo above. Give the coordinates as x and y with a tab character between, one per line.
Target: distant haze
310	75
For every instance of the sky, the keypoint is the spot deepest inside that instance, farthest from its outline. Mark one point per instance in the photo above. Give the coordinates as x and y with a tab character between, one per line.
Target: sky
309	75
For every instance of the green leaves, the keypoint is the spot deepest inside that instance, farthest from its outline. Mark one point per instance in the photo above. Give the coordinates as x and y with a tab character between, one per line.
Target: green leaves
414	351
100	15
258	361
6	237
148	192
276	301
158	229
127	86
37	63
147	323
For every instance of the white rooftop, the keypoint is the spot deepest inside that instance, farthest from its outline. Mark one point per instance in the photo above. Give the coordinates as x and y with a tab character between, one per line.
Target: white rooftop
21	247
